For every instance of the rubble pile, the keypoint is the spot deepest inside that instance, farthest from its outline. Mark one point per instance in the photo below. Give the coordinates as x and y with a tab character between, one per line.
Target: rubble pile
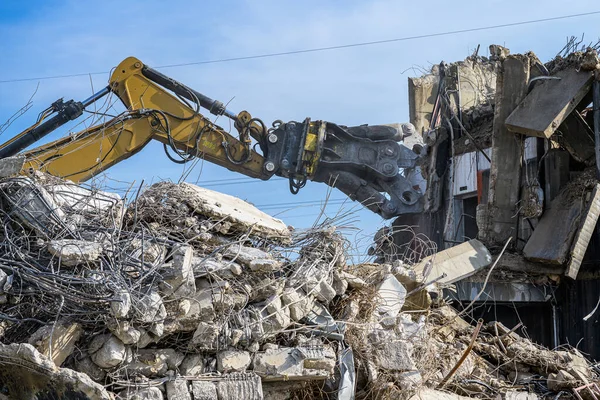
186	293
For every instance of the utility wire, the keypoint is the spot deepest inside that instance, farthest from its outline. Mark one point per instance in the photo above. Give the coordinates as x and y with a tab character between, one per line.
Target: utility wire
327	48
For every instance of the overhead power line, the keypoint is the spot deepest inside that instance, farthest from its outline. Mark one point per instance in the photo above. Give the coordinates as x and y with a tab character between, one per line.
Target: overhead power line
327	48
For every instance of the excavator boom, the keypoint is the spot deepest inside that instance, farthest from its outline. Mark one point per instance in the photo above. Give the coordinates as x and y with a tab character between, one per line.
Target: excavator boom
366	163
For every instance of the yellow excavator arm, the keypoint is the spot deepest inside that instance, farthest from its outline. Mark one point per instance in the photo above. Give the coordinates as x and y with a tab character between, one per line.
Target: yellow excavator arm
362	161
153	113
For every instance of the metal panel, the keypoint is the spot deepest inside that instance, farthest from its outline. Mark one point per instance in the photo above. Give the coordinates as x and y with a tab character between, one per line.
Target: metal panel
502	292
465	174
530	148
482	162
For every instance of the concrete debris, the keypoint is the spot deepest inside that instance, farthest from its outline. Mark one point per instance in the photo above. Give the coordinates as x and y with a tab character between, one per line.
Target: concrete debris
204	390
178	390
56	341
151	393
233	361
11	166
27	374
74	252
106	351
456	263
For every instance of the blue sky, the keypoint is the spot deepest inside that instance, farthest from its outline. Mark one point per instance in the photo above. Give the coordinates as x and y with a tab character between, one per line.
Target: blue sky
348	86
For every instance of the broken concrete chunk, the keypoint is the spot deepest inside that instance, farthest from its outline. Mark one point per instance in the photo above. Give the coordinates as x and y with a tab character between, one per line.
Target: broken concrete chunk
33	205
390	297
121	304
72	252
178	390
321	290
228	210
516	395
549	103
562	381
192	364
409	380
123	330
11	166
240	386
151	393
204	390
206	336
395	356
293	363
457	262
275	317
431	394
264	265
297	302
245	255
233	361
57	341
150	307
106	351
21	363
86	365
353	281
148	251
339	284
179	274
587	227
550	242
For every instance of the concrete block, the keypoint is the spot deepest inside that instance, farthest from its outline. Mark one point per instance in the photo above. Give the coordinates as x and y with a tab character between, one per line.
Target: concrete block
243	216
296	363
275	316
150	308
57	341
192	364
86	365
587	228
178	390
395	356
297	302
517	395
151	393
233	361
204	390
390	297
264	265
72	252
432	394
551	242
27	374
179	274
120	307
107	351
125	331
550	103
240	386
457	262
11	166
205	337
321	290
246	255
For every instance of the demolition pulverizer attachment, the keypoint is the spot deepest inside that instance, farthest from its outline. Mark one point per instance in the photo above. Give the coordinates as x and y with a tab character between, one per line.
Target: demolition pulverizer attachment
366	162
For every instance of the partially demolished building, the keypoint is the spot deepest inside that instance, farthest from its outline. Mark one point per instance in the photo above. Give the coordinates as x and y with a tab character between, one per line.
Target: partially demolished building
511	157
